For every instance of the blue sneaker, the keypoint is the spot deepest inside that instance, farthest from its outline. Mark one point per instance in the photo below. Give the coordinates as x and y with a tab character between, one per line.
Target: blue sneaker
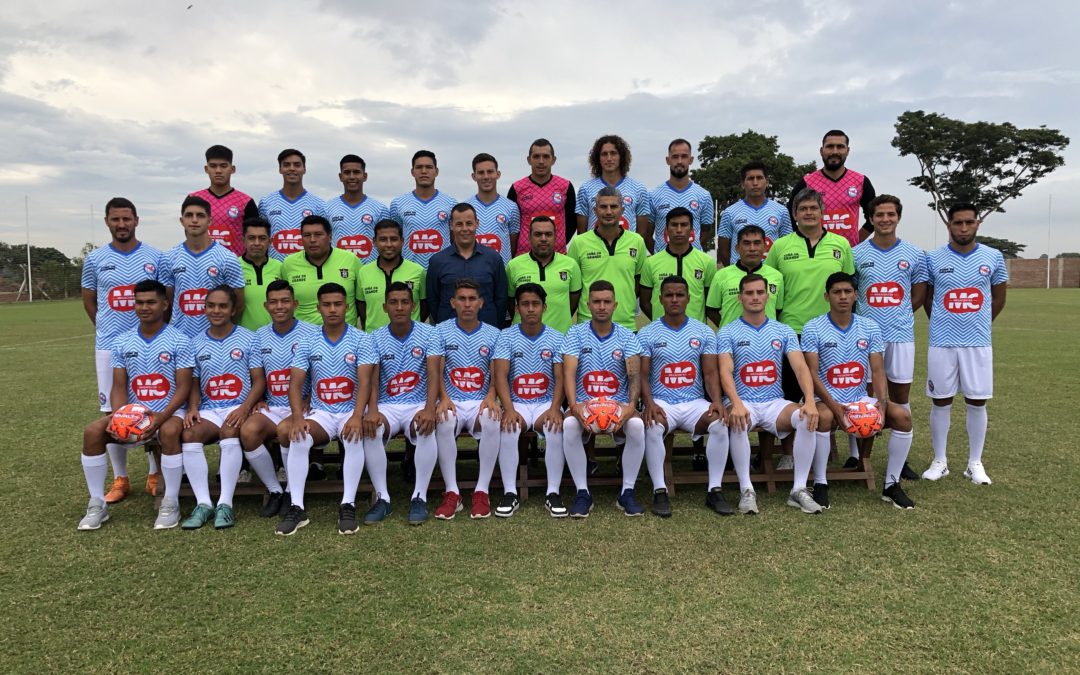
379	511
628	503
582	505
417	511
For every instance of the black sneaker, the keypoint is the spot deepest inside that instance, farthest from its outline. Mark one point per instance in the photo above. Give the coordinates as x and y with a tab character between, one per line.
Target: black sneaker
286	502
316	471
661	504
894	495
715	501
272	506
346	520
508	505
821	494
553	504
699	463
907	473
294	519
851	463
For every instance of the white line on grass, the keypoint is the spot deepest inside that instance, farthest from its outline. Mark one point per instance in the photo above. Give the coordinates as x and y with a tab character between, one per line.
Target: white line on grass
42	342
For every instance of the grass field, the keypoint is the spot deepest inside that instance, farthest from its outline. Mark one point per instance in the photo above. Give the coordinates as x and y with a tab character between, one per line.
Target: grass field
975	579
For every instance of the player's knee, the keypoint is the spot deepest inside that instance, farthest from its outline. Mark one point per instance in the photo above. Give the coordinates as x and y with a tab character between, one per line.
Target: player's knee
899	418
190	435
571	425
635	427
717	428
229	432
825	419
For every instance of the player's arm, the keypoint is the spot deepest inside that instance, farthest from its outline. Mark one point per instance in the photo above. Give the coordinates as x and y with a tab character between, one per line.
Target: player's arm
431	292
918	295
372	418
710	375
646	229
806	384
708	233
498	296
633	387
569	212
820	391
89	301
361	314
354	426
299	425
554	415
254	397
424	420
738	415
652	412
644	294
570	363
194	398
713	314
723	250
997	300
424	311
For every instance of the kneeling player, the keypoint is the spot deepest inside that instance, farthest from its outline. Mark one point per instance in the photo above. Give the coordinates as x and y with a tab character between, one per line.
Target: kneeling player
840	348
753	346
678	360
151	365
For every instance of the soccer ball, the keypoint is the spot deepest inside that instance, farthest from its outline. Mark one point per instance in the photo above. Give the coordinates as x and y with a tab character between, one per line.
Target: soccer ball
131	422
863	419
602	415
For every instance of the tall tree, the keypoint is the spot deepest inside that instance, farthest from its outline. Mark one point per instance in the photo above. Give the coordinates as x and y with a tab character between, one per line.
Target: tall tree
721	157
1009	249
984	163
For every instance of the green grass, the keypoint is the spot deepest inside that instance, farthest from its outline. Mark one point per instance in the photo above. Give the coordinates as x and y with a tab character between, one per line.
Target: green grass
975	579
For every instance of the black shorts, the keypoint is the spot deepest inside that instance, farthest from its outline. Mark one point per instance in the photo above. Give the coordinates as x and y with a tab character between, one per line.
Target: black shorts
790	383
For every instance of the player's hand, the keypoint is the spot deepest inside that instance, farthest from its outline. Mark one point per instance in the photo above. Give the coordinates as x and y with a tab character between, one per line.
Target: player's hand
424	422
717	410
261	405
191	418
654	414
626	411
551	420
444	408
493	410
883	408
372	420
237	417
578	411
738	417
159	419
299	430
353	430
809	412
511	420
839	415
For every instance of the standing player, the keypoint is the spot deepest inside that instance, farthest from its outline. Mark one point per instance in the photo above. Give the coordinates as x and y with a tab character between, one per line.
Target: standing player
498	219
602	358
353	214
318	264
229	207
289	205
151	365
609	161
841	349
377	275
967	283
260	270
847	193
678	191
678	259
558	274
196	265
339	360
424	213
466	259
227	384
678	361
755	208
527	376
751	350
722	304
542	193
109	275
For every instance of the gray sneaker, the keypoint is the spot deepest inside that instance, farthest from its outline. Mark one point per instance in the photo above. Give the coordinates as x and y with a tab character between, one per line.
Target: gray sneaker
802	499
168	515
97	512
784	463
748	502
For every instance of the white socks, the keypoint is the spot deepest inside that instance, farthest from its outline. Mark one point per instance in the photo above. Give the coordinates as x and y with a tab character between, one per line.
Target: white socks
232	458
118	459
489	451
654	455
853	446
554	460
802	451
151	462
899	445
375	458
352	468
940	419
297	467
446	440
94	468
508	459
198	473
976	430
263	464
427	453
822	449
172	468
716	451
574	452
633	451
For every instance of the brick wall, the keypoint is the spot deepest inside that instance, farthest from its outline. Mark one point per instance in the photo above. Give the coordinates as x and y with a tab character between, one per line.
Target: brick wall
1026	273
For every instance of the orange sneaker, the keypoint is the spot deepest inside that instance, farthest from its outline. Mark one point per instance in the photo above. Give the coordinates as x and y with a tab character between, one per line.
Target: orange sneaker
120	489
152	482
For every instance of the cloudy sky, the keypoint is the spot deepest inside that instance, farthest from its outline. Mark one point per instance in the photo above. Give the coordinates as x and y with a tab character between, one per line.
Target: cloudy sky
122	98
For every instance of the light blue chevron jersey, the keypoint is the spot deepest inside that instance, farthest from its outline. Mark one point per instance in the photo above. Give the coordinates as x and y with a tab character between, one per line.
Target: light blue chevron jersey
961	314
425	224
192	276
675	374
353	227
843	355
403	363
275	357
224	367
758	355
151	365
885	277
285	215
532	362
772	216
693	197
497	223
635	201
112	275
601	367
467	369
331	367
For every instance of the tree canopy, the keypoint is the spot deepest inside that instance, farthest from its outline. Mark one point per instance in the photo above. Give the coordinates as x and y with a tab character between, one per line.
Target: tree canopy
1009	249
721	158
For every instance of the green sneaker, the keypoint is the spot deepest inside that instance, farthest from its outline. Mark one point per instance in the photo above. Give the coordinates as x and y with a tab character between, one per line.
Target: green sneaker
199	517
223	517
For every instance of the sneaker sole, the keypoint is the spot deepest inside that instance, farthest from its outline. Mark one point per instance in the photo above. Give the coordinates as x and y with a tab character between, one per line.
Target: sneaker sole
101	522
748	512
223	527
718	512
505	515
795	504
414	523
661	514
479	516
191	528
348	532
582	515
889	500
302	523
114	501
553	514
978	482
932	478
627	513
166	527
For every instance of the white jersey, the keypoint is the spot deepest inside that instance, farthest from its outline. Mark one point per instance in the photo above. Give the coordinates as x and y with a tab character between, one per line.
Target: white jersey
112	275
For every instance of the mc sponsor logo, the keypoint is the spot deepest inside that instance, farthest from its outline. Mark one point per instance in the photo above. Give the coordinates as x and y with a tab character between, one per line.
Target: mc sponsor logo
221	234
600	383
846	375
287	241
425	242
152	387
358	244
758	374
402	383
964	300
226	387
122	298
885	294
530	385
278	381
468	379
490	240
678	375
193	302
333	390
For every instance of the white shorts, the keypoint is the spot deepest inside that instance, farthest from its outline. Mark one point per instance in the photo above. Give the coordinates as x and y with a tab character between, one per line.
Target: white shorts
399	417
468	413
900	362
530	412
765	414
103	365
969	370
332	423
276	414
217	416
683	416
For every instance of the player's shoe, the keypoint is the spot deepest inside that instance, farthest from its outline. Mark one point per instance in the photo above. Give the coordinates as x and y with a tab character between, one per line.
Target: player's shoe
417	511
784	463
802	499
286	502
244	478
715	501
748	502
168	515
628	503
481	506
451	504
295	518
553	504
661	503
153	480
346	519
907	473
378	512
821	495
200	515
120	489
272	506
699	462
508	505
582	506
224	517
97	512
938	469
316	471
895	495
851	463
977	474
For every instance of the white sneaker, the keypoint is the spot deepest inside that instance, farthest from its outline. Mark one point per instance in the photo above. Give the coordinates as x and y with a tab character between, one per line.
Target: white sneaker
977	474
938	469
802	499
748	502
784	463
168	514
97	512
244	478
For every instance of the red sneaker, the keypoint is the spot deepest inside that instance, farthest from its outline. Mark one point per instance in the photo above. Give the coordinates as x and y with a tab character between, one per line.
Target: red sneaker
481	505
451	504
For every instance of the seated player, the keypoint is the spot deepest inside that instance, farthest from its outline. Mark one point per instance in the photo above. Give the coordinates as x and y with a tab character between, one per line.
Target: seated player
841	349
402	400
602	358
226	386
527	376
463	347
151	365
754	346
678	362
339	359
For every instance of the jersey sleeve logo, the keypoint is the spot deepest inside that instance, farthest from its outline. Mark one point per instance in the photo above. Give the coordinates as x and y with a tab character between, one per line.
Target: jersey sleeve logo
564	276
546	354
468	379
490	240
331	390
225	387
212	271
695	343
278	381
425	241
772	289
122	298
964	300
699	274
418	352
885	294
773	220
846	375
367	219
402	383
777	345
359	244
836	253
344	273
152	387
556	197
237	354
600	383
678	375
193	302
531	385
758	374
287	241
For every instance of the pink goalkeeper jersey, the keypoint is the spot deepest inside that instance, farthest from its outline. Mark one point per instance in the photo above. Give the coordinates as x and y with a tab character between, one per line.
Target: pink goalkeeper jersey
843	202
227	214
548	199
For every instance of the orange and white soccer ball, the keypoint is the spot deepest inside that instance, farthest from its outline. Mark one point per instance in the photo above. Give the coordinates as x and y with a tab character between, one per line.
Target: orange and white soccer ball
863	419
130	423
602	415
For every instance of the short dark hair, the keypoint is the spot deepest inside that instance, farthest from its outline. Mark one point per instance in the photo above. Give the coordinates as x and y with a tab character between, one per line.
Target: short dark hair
314	219
289	152
484	157
120	203
750	278
466	282
541	219
227	290
192	200
424	153
756	165
151	286
386	224
839	278
962	206
620	145
601	285
331	287
677	212
280	285
353	159
807	194
674	280
256	222
219	152
886	199
398	286
836	132
679	141
534	288
750	229
542	143
462	207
